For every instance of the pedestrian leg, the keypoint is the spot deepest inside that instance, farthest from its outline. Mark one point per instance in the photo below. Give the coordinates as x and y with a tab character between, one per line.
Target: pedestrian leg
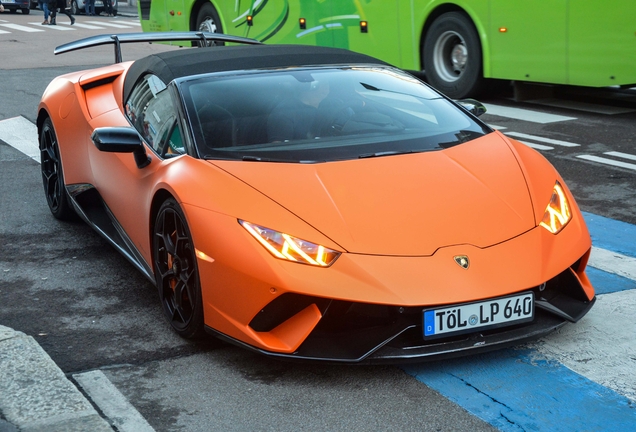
45	8
68	13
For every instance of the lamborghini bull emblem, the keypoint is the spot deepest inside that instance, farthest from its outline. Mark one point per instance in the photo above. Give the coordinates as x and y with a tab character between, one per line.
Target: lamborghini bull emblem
462	261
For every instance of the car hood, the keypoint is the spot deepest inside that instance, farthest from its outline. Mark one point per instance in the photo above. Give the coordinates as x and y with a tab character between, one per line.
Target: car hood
403	205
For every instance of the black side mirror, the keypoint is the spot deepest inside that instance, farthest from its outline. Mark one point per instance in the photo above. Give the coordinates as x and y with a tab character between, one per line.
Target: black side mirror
121	140
473	106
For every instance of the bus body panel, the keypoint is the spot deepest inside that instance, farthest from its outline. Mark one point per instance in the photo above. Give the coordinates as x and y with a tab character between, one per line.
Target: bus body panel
533	46
602	48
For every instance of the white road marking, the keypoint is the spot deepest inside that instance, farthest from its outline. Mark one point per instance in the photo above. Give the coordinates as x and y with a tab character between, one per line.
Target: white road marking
81	25
542	139
21	28
524	114
606	161
132	23
52	27
582	106
537	146
22	135
109	24
601	346
613	262
111	402
622	155
4	32
497	127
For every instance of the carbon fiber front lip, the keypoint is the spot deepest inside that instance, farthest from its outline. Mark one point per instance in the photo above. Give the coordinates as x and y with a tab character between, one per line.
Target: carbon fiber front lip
393	351
475	343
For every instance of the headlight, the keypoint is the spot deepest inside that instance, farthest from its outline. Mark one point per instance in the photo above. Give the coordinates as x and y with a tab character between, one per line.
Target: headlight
557	213
290	248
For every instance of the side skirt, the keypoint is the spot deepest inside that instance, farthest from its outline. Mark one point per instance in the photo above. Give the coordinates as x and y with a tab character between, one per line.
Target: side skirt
90	206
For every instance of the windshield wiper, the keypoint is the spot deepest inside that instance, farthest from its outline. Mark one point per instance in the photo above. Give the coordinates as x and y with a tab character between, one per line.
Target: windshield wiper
386	153
462	136
374	88
261	159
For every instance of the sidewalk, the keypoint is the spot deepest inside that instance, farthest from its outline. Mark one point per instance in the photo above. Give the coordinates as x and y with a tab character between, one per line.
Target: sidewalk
36	396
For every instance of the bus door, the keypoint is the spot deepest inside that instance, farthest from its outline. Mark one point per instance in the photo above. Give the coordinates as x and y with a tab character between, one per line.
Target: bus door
528	40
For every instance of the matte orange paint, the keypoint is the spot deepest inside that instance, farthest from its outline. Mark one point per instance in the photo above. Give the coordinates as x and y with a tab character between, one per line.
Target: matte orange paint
398	220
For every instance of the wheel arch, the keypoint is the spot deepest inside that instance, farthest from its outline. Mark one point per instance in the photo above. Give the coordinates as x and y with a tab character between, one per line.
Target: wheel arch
42	116
160	196
194	13
471	15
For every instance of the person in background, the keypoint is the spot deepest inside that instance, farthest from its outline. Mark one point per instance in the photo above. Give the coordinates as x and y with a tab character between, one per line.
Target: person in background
44	6
1	7
54	5
108	7
89	7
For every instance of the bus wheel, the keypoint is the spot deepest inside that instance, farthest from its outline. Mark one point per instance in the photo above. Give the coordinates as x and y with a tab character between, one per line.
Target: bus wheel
452	56
208	21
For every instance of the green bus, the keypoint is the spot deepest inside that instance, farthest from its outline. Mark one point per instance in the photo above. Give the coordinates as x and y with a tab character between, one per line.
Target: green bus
458	43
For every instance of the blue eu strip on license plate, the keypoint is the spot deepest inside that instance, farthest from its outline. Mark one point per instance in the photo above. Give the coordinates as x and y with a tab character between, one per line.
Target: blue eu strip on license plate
463	318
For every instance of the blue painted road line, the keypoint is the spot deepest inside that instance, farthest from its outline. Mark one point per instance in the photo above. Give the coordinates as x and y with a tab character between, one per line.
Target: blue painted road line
527	389
518	390
612	234
605	282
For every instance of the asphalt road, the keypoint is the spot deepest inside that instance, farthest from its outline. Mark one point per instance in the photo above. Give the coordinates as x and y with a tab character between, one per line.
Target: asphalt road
92	311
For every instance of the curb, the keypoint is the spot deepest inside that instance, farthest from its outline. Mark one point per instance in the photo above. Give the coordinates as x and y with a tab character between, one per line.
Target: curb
36	396
125	10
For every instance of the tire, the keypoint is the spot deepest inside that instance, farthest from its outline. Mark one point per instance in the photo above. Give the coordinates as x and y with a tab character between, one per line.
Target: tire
74	8
26	11
52	174
208	21
176	271
452	56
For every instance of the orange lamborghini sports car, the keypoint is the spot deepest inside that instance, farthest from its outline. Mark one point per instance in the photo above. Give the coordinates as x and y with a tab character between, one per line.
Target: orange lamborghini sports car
313	203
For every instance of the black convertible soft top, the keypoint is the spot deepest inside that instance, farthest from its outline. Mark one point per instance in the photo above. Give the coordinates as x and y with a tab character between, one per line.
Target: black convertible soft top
194	61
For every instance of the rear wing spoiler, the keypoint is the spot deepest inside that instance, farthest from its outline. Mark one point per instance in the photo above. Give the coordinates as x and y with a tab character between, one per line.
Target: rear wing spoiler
118	39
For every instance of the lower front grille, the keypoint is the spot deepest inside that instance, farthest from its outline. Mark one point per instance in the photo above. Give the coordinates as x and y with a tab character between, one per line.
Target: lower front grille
360	332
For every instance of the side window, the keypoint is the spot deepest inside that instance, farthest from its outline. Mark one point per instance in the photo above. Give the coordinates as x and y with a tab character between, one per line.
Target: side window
152	112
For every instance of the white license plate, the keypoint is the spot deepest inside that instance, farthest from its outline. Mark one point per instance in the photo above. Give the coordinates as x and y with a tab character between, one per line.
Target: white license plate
464	318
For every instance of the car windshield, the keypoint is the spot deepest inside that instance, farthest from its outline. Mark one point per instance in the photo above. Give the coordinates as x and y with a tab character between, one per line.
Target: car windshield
321	114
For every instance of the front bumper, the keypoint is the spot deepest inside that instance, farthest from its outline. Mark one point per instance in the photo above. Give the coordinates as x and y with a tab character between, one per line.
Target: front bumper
364	333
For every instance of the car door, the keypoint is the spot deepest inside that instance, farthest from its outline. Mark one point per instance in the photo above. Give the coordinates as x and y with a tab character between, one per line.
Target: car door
127	188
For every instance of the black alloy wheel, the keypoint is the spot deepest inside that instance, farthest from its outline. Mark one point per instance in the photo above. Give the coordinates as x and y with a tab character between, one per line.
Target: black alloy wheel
176	271
52	176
